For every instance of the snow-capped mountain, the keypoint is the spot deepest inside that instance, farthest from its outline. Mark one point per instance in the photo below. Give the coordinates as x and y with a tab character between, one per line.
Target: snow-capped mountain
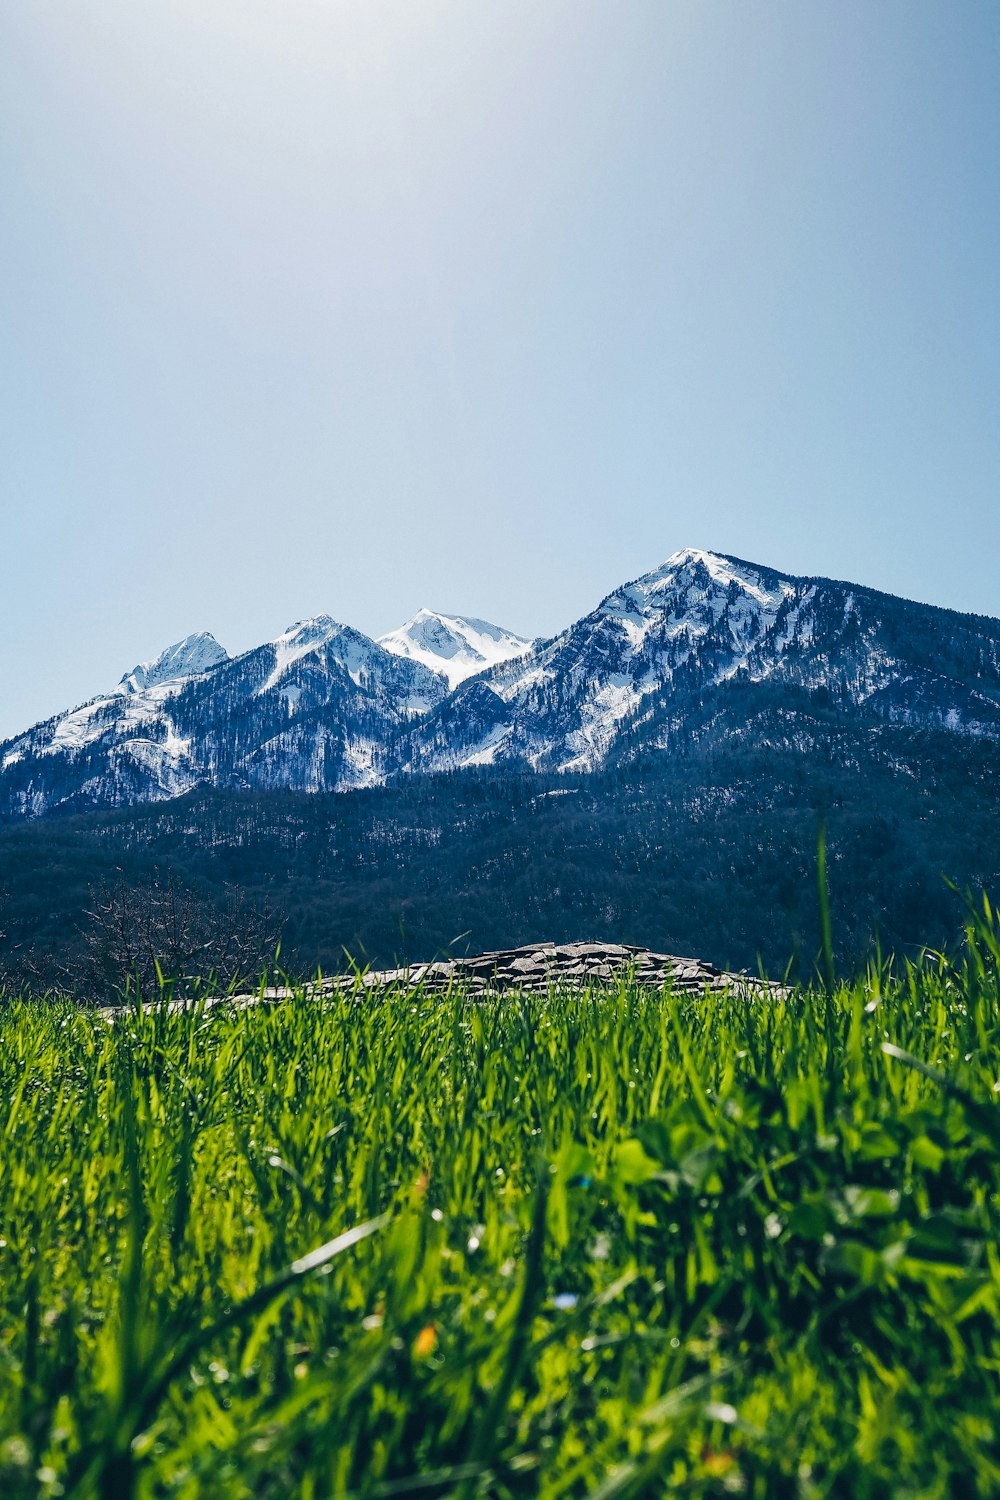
316	709
187	658
139	696
325	708
631	673
453	645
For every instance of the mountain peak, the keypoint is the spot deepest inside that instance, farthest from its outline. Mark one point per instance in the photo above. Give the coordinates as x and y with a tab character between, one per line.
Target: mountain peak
691	564
694	555
190	657
311	632
454	646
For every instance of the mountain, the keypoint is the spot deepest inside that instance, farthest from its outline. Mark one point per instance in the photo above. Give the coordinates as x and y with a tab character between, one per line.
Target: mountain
635	673
315	709
705	650
187	658
454	645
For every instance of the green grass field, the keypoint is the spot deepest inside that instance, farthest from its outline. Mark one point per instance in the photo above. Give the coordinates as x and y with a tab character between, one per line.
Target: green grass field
609	1243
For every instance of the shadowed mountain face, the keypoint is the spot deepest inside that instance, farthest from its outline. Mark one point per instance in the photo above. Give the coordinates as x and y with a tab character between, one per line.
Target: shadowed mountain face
705	649
709	852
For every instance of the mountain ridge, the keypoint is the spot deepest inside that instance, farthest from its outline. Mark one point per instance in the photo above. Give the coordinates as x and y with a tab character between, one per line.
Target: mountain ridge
324	707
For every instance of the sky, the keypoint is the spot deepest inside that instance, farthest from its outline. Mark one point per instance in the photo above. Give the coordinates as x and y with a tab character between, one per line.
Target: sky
354	306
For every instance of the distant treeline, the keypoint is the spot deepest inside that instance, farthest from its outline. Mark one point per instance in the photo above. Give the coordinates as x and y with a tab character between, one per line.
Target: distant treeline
710	852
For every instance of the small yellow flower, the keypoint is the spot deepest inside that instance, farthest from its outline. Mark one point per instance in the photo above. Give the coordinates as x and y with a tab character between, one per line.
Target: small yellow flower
425	1342
717	1464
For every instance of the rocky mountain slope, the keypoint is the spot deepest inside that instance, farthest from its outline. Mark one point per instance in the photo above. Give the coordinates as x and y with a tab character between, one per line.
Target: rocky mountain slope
316	709
636	672
704	646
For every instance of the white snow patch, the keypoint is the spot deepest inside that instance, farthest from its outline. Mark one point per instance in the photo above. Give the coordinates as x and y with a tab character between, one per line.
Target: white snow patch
415	706
522	682
485	753
174	746
454	646
77	728
162	760
297	641
617	697
723	571
360	764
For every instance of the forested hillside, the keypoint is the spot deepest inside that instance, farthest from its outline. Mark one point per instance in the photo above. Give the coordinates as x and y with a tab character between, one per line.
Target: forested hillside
708	850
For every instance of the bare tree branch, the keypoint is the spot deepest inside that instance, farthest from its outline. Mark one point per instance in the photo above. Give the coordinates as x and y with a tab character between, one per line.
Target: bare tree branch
138	935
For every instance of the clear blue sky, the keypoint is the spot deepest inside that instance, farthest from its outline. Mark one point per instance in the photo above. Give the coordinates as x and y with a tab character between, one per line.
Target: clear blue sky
359	305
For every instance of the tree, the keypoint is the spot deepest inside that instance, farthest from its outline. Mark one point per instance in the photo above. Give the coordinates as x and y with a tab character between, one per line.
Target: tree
138	936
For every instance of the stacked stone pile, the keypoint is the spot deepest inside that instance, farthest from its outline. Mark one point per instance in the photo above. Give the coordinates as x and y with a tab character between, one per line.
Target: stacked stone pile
538	967
534	969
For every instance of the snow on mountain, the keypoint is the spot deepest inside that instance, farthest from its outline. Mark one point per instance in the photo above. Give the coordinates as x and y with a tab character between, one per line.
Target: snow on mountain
187	658
297	642
324	708
454	645
562	704
643	660
139	694
693	595
315	709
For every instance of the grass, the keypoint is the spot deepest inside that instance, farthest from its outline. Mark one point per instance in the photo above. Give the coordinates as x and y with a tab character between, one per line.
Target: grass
609	1243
